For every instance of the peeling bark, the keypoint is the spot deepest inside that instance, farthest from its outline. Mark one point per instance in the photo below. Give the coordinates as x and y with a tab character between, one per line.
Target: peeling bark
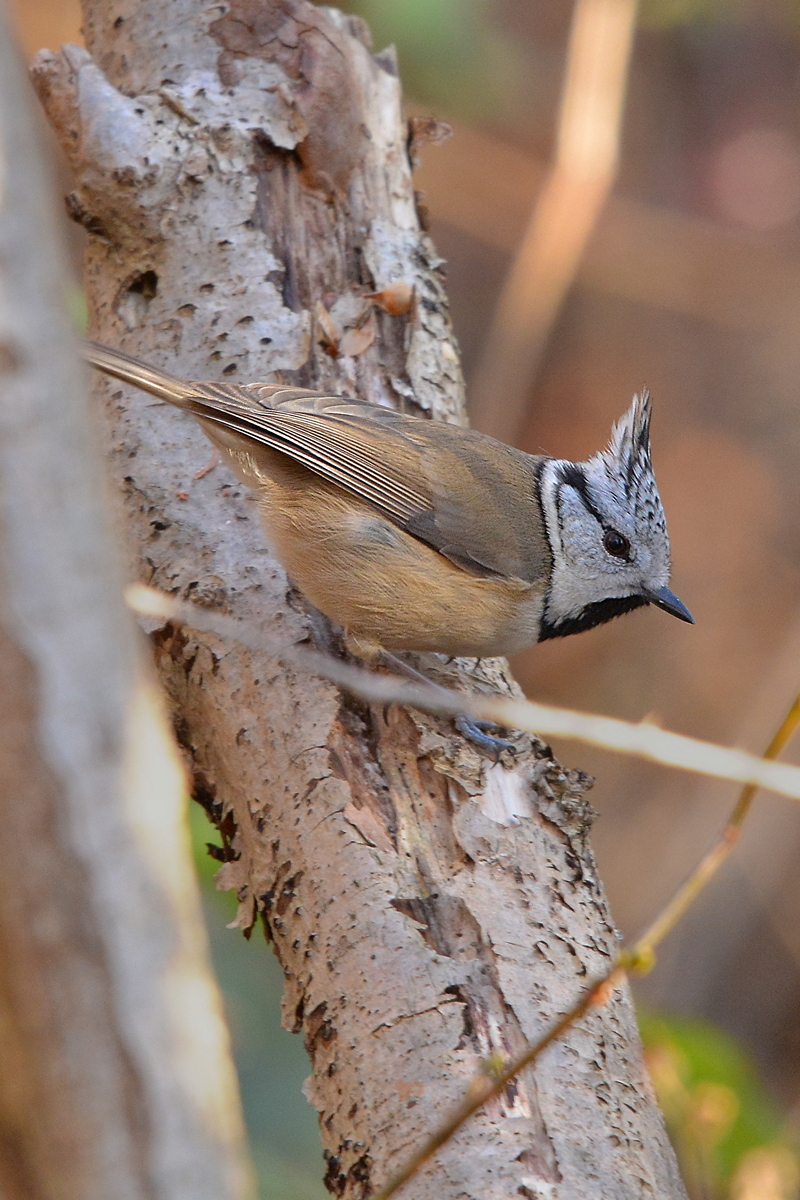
115	1071
243	172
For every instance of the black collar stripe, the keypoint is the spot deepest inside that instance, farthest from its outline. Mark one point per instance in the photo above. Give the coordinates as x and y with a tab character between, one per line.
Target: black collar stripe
591	616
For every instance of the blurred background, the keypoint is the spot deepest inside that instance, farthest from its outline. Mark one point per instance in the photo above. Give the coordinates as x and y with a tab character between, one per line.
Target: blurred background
688	283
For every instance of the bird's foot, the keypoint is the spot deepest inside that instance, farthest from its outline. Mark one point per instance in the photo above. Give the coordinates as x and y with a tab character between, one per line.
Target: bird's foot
476	732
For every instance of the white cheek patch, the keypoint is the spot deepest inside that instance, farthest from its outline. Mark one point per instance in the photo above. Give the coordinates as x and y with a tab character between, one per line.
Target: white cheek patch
570	593
579	577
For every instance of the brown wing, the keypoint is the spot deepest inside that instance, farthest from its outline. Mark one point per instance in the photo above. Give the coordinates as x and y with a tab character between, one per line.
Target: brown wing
469	497
464	494
356	453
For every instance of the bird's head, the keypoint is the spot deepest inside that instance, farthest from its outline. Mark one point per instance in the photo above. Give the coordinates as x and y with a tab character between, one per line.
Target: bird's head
607	532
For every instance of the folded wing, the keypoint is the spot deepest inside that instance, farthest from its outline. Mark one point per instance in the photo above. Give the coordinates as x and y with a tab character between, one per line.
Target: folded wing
465	495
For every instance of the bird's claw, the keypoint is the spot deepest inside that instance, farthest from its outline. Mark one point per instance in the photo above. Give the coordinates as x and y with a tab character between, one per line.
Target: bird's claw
475	732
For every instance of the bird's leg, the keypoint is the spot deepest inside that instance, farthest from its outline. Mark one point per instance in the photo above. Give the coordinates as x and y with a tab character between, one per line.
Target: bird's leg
474	731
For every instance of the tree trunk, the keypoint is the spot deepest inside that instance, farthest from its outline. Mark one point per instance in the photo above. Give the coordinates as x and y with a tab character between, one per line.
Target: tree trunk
115	1073
243	172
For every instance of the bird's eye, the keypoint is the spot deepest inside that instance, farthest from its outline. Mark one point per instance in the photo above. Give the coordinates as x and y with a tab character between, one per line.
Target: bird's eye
616	544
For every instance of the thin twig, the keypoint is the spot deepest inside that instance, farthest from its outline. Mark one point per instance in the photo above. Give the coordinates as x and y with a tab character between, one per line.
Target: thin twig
641	740
484	1087
564	215
640	958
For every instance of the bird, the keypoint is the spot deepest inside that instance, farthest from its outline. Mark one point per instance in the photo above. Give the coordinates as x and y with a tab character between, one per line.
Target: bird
417	535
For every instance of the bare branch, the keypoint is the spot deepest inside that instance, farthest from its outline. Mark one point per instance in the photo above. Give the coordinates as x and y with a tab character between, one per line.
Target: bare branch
640	739
564	215
116	1075
640	958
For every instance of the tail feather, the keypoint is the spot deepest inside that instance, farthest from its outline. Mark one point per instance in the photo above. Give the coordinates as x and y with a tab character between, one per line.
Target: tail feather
121	366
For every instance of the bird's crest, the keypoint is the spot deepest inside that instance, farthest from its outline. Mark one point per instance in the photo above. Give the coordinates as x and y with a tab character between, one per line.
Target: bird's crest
626	460
624	470
629	447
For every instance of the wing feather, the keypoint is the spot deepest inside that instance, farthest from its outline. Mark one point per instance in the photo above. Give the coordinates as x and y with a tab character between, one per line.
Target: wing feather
331	446
472	499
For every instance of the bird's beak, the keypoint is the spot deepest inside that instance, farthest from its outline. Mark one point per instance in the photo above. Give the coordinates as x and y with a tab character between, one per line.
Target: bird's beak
663	598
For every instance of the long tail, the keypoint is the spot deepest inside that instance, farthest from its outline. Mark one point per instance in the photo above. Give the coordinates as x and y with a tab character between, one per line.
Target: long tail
130	370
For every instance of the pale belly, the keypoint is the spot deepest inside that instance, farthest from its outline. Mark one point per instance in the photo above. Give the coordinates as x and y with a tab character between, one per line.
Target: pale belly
387	587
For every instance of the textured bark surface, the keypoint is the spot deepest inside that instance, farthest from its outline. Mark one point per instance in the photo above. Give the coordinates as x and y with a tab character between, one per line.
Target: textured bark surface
243	172
115	1072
